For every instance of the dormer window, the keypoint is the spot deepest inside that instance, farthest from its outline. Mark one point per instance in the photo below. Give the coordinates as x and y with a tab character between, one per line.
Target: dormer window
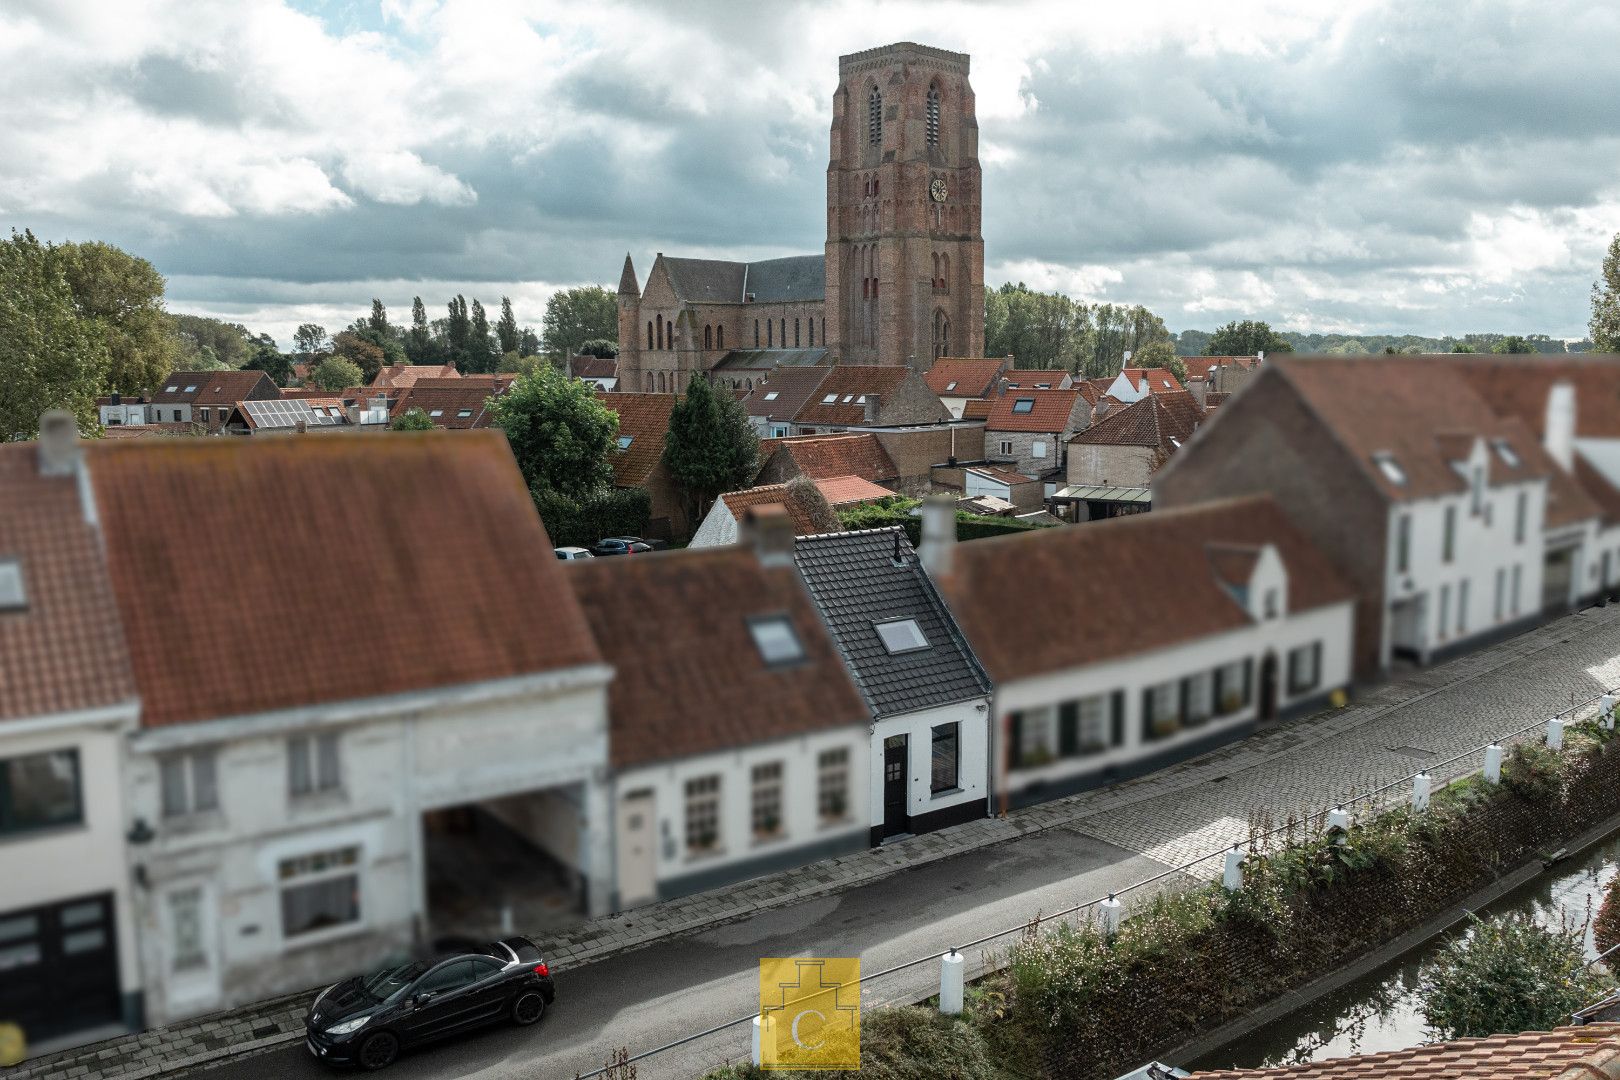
777	641
1024	405
12	595
901	636
1390	468
1271	603
1505	451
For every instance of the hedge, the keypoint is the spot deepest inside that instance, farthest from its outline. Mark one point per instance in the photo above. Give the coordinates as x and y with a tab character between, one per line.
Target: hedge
887	513
575	523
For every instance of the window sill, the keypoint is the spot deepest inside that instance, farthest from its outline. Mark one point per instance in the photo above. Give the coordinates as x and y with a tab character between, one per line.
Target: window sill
43	832
706	855
767	839
833	822
946	793
325	935
185	825
316	801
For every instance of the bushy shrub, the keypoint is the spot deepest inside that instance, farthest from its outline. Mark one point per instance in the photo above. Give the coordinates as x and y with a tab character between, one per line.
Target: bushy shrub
901	1044
582	522
1506	976
1533	772
1606	927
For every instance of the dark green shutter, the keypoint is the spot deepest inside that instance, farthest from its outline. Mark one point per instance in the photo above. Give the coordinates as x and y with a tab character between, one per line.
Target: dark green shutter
1185	694
1248	680
1117	720
1069	729
1147	715
1219	682
1015	738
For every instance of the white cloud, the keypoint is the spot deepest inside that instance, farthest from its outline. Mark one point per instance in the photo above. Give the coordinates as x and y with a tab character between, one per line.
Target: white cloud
400	178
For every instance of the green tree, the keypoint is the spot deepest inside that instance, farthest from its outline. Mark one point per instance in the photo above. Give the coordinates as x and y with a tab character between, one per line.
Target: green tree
264	356
412	420
457	330
575	316
379	317
52	358
1160	354
121	297
309	339
560	433
480	349
419	339
366	356
1506	976
1246	338
1514	345
529	343
1462	347
336	373
600	347
229	344
506	327
1605	324
711	447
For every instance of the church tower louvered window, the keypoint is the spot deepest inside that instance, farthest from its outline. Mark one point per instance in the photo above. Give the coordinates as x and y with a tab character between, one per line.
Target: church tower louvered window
933	116
874	117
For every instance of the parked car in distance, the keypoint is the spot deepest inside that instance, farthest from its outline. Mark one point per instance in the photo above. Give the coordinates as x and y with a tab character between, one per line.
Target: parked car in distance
654	545
567	553
367	1020
618	545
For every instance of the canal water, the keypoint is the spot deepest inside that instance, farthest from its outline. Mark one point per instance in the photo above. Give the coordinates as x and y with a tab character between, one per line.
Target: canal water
1379	1012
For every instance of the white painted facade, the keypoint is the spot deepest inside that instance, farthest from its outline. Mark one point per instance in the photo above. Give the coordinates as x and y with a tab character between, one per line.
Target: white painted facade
977	483
1490	575
64	863
211	916
719	526
659	853
1123	683
973	758
123	414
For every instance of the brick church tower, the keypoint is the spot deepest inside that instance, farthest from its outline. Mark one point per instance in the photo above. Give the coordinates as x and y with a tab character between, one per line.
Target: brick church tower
905	254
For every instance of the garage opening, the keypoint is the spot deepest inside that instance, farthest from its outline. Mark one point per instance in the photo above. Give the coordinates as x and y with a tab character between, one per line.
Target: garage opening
59	968
502	866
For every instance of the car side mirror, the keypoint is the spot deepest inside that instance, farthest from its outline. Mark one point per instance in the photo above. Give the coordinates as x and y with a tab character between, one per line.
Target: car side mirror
422	999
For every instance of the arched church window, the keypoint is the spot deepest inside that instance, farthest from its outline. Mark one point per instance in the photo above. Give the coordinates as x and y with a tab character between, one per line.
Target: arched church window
795	333
708	337
720	337
756	333
933	116
812	329
649	382
662	385
945	273
942	335
660	321
874	117
770	334
649	334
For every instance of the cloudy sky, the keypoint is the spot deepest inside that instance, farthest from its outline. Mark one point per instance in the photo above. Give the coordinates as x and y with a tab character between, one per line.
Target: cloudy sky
1423	167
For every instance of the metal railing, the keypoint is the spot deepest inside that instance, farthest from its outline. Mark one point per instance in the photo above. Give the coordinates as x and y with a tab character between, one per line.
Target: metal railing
1378	792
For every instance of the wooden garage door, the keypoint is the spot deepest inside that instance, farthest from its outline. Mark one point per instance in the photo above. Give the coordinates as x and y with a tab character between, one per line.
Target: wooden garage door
59	967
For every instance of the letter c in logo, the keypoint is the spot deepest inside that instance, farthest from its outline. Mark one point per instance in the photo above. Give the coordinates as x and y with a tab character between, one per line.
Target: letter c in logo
794	1029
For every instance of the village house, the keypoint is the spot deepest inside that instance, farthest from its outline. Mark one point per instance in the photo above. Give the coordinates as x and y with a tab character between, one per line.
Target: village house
1028	430
1111	462
1122	646
958	380
638	459
1434	507
771	405
928	696
739	743
867	397
205	399
811	507
67	699
343	731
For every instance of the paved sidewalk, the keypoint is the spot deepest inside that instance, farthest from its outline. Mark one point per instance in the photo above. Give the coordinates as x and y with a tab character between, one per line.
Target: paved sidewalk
1304	765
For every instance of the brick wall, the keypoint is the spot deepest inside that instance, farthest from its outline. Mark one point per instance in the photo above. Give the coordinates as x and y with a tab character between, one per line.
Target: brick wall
1022	456
1126	466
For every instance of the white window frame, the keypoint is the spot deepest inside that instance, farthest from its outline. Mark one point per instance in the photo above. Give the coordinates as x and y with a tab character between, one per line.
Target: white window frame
322	755
315	877
197	771
832	783
702	793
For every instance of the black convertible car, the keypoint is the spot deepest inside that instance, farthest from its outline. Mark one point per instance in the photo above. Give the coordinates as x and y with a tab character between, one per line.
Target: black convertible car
366	1020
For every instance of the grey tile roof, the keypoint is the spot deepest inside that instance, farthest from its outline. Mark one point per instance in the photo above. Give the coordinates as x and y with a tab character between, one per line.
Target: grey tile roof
768	359
855	583
715	281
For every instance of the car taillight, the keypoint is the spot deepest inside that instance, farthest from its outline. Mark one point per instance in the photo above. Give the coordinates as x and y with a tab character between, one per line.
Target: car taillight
541	969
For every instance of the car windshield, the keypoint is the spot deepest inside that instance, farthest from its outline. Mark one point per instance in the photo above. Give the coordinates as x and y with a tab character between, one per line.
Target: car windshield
389	983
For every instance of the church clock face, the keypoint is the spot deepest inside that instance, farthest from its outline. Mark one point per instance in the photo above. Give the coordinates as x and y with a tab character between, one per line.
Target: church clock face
937	190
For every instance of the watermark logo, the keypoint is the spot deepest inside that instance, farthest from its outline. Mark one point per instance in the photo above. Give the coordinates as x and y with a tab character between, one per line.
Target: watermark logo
810	1014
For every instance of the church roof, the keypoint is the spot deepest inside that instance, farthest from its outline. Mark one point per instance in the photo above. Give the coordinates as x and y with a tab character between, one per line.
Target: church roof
770	359
715	281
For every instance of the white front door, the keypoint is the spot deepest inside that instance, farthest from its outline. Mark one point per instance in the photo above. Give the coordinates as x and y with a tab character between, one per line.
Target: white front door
190	946
638	857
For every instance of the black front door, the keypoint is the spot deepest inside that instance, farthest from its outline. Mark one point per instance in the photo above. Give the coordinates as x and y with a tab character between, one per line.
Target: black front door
895	818
59	967
1268	687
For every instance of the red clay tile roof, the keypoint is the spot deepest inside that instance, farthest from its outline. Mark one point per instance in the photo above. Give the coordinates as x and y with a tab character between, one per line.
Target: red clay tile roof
1000	475
1158	571
972	378
823	456
1400	406
137	431
851	381
403	375
1215	398
64	652
1034	378
1591	1052
785	392
1050	412
977	408
596	367
699	685
229	387
327	570
1518	386
1199	367
449	402
1163	421
1160	380
645	419
502	381
849	490
807	519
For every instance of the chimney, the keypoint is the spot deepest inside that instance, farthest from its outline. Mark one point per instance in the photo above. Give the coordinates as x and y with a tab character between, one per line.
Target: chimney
59	450
117	398
873	403
352	411
1260	356
300	427
1559	429
769	531
938	534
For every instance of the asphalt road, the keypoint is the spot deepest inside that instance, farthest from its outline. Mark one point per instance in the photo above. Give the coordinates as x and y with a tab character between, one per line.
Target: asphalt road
656	995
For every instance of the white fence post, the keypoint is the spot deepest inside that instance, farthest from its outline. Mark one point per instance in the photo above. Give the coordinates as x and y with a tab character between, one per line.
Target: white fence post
1555	734
1606	711
1232	877
950	983
1420	792
1493	764
1338	822
761	1033
1110	915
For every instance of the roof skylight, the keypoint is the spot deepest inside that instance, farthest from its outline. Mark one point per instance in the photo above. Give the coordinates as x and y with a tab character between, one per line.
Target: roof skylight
771	396
1024	405
901	636
625	441
830	399
950	386
1390	468
12	595
777	641
1505	451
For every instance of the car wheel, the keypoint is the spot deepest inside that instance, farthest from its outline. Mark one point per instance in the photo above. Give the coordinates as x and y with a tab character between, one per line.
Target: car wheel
379	1051
528	1008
